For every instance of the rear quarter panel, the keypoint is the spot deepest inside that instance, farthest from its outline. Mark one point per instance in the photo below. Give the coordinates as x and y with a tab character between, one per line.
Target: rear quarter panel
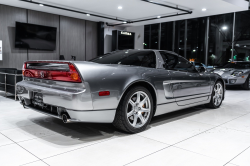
113	78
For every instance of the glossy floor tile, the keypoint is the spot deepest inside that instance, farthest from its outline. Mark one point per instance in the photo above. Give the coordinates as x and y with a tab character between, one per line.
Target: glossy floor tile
173	156
241	123
60	143
243	159
179	129
12	155
114	152
196	136
219	143
36	163
4	140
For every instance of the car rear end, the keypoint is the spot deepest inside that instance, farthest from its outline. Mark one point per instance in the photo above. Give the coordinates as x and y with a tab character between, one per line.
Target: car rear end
57	89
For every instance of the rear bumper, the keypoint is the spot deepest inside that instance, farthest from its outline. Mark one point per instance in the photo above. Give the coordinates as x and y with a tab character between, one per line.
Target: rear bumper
102	116
73	98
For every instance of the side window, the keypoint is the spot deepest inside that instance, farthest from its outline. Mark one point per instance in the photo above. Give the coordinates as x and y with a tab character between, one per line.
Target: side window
144	59
173	62
184	65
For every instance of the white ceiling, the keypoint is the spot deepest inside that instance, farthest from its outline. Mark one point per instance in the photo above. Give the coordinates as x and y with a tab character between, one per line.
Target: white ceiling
132	9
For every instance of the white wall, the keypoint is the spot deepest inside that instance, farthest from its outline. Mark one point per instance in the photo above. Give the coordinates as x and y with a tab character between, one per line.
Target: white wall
139	36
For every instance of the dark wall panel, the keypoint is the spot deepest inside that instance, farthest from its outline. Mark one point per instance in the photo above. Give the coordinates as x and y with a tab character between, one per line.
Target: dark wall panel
91	40
12	57
72	38
45	19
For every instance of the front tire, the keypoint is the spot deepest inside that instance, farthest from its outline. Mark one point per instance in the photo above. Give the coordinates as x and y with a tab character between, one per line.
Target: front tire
217	95
135	110
246	85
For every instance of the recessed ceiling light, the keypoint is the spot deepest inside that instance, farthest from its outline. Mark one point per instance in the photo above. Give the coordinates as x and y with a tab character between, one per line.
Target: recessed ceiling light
245	46
124	22
158	16
119	7
204	9
41	5
88	14
224	27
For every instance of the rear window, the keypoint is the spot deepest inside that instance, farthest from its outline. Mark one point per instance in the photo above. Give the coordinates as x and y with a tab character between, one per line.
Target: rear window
129	57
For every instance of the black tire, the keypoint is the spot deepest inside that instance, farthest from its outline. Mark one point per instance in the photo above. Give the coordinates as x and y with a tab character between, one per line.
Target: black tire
212	101
246	85
122	121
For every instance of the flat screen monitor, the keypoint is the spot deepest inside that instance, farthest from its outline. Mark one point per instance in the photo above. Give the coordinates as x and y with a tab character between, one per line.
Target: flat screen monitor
37	37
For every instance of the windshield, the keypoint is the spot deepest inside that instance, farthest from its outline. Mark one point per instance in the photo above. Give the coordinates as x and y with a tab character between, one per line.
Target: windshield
129	57
237	65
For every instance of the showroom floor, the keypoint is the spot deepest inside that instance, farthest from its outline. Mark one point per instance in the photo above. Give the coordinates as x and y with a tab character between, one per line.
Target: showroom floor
192	137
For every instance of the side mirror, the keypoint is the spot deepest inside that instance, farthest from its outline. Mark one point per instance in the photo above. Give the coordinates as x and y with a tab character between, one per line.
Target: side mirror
202	69
165	66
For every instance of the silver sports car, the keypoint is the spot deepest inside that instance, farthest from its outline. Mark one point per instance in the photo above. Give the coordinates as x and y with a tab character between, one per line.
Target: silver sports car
126	88
235	73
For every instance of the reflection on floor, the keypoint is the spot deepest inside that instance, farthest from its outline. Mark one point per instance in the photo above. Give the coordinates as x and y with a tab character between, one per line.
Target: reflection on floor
197	137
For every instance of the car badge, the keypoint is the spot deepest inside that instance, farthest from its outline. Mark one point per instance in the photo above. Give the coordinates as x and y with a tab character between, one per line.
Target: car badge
42	74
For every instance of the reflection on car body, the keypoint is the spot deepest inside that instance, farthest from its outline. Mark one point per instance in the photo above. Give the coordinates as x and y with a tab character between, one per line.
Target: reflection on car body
126	88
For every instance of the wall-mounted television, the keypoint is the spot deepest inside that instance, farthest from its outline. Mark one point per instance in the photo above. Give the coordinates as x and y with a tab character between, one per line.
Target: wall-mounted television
37	37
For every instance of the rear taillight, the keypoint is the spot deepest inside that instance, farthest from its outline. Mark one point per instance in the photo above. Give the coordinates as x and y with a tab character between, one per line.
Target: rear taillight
24	67
70	75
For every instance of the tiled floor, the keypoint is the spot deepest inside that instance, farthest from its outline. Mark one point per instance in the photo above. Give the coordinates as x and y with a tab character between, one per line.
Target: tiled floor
193	137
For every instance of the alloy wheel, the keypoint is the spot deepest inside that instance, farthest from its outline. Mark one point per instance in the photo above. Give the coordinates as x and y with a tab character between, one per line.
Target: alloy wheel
218	94
138	109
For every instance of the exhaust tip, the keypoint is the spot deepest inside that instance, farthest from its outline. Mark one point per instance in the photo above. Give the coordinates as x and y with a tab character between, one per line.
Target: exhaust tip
64	118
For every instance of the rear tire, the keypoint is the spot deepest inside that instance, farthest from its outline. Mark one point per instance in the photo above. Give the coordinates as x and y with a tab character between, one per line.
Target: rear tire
135	110
246	85
217	95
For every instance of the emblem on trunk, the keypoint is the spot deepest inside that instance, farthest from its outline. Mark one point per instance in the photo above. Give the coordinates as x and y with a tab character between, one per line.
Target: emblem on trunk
42	74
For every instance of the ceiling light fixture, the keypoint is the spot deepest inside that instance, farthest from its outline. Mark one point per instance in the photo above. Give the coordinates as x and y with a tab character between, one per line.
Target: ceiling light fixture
204	9
88	14
184	12
124	22
119	7
41	5
158	16
224	27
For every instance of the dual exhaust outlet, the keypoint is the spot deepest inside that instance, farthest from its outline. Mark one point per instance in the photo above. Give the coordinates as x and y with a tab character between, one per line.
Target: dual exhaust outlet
66	118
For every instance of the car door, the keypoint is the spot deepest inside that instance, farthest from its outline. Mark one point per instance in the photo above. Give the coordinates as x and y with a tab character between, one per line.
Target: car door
187	84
